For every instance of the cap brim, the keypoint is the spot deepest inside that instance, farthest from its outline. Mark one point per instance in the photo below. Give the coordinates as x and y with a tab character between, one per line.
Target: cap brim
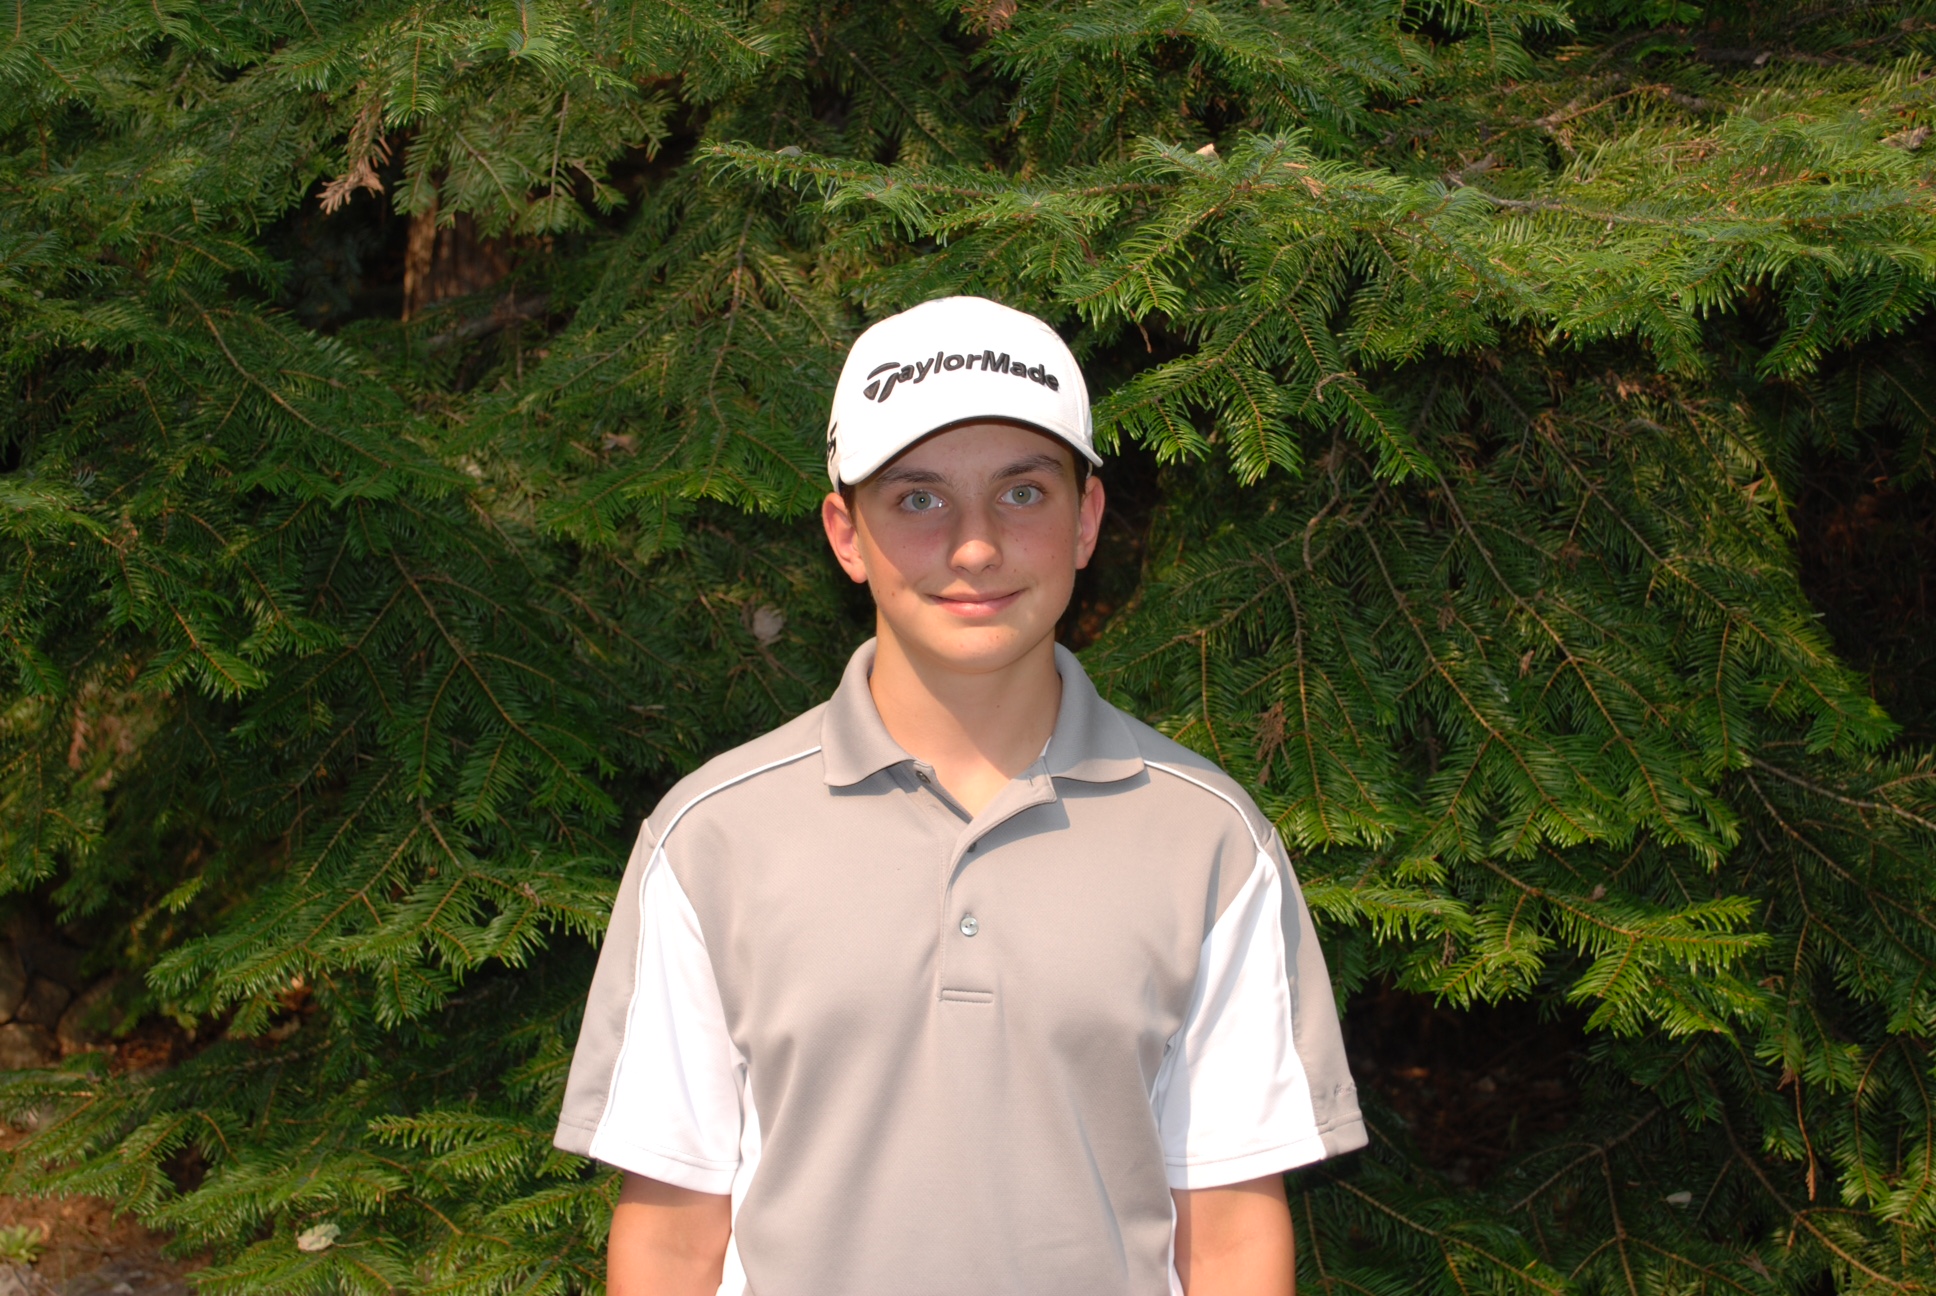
869	469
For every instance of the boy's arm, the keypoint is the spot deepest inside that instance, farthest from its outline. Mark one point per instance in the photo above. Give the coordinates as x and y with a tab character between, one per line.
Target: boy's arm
667	1241
1235	1240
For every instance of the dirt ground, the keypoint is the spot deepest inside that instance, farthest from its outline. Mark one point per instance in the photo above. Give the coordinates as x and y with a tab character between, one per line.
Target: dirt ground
86	1249
91	1253
51	1009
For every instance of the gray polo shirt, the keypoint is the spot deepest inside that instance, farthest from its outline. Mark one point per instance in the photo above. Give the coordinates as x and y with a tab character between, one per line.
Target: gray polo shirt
928	1052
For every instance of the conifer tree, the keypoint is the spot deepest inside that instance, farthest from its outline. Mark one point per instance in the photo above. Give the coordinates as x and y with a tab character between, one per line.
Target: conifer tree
1466	364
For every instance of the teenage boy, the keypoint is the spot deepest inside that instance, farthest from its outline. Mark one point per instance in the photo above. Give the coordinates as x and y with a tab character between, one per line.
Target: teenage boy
964	983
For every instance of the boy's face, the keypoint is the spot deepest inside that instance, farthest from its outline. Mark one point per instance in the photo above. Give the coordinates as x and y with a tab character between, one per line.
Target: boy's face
970	542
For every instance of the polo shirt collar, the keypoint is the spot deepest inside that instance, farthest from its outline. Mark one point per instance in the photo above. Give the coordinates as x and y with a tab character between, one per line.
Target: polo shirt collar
1091	741
854	744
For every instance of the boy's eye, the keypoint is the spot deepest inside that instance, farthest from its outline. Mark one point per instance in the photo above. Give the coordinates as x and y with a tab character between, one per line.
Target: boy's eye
919	501
1024	494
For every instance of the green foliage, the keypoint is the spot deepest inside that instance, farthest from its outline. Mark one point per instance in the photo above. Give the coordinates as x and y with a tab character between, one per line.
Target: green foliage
1479	355
21	1244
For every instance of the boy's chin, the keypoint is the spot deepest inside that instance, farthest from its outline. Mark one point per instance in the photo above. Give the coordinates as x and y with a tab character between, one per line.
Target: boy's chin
969	648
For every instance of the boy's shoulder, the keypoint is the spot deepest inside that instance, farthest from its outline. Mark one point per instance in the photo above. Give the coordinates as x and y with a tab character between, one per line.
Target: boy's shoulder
791	744
1199	782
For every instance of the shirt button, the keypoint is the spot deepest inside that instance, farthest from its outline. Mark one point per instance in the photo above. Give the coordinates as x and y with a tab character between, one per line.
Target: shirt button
969	925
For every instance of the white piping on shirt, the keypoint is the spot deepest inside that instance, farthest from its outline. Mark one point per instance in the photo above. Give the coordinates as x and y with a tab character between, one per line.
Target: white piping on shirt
1263	857
1225	798
638	954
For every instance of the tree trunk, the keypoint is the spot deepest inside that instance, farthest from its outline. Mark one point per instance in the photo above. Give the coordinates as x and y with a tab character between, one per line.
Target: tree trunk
448	261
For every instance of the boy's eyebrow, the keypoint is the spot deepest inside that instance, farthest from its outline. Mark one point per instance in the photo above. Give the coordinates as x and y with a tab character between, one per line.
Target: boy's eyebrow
1032	463
911	476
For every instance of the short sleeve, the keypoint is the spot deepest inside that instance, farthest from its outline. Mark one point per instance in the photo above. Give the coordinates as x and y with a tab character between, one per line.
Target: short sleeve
656	1083
1256	1081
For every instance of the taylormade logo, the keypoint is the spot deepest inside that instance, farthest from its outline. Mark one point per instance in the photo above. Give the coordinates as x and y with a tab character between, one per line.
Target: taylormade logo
886	377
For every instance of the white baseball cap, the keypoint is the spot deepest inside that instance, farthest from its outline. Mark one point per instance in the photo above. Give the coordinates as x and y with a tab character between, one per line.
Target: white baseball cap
949	361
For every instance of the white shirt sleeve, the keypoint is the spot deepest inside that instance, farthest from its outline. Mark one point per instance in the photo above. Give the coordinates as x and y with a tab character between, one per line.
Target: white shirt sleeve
1233	1100
674	1111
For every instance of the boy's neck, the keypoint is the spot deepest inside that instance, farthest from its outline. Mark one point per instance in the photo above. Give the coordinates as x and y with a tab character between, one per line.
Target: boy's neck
976	729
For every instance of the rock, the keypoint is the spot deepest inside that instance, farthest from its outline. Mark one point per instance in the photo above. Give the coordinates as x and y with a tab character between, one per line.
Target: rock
87	1025
19	1280
125	1277
44	1002
42	949
13	981
24	1047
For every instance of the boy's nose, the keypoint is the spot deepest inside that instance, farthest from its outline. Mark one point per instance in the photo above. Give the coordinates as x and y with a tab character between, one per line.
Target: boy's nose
976	553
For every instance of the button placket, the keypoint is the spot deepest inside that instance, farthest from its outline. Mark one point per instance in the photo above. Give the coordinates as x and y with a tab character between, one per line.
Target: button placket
967	968
963	959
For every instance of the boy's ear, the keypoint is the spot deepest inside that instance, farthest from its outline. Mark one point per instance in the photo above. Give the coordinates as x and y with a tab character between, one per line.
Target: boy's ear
843	535
1089	520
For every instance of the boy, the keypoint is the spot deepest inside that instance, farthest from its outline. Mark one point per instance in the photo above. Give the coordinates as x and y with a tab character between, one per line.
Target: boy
964	982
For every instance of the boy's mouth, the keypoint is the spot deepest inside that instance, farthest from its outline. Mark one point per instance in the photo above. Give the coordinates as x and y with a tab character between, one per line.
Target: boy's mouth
975	605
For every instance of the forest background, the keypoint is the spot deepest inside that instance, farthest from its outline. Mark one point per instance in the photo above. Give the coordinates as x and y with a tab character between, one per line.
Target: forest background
1521	428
